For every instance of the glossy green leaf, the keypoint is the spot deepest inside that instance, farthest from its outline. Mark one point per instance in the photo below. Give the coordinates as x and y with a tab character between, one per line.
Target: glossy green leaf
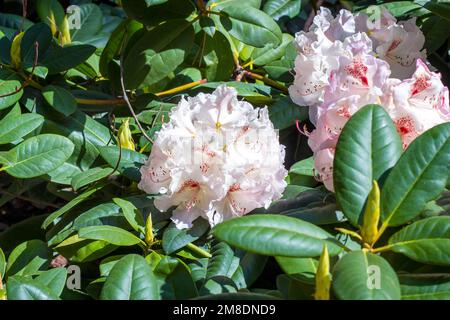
10	92
175	239
282	8
37	155
218	57
60	59
368	146
304	268
419	177
11	131
271	52
130	279
91	22
110	234
426	241
60	99
84	250
87	177
304	167
129	164
53	279
361	275
24	288
39	33
276	236
425	286
132	214
152	57
251	26
28	258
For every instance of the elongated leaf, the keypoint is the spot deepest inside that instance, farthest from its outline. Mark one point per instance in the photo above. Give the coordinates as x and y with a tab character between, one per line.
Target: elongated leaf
89	176
362	275
39	33
2	263
223	261
24	288
37	156
282	8
425	286
304	268
110	234
174	238
367	147
60	99
130	279
251	26
11	131
129	164
10	91
419	177
152	57
426	241
53	279
132	214
61	59
276	235
84	250
28	258
91	21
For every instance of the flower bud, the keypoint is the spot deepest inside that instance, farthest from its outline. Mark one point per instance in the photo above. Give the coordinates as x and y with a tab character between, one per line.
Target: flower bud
323	277
149	236
371	217
15	50
64	35
125	137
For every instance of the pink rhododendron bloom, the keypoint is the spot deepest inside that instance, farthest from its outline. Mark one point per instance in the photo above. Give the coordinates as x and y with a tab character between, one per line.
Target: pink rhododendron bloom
218	158
347	62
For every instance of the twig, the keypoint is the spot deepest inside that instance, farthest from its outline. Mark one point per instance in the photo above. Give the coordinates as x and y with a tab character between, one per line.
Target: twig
29	78
124	92
266	80
100	102
180	88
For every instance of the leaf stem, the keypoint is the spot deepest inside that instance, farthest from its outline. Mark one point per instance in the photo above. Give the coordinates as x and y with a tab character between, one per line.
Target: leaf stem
382	249
180	88
266	80
198	250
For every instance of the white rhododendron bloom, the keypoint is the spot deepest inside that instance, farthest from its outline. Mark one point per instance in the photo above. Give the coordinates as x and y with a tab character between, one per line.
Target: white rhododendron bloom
217	158
346	62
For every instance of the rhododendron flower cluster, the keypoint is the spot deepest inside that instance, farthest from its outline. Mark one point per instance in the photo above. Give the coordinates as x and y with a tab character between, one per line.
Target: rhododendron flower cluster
346	62
217	158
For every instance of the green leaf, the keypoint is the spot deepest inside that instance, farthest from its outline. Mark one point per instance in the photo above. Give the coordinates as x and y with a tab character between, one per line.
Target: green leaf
28	258
89	176
303	268
130	279
282	8
276	235
368	146
72	203
419	176
11	131
218	57
223	261
425	286
426	241
37	156
24	288
283	113
130	161
10	93
132	214
441	9
2	263
84	250
112	49
175	239
60	99
39	33
304	167
152	57
110	234
91	22
271	52
361	275
251	26
60	59
53	279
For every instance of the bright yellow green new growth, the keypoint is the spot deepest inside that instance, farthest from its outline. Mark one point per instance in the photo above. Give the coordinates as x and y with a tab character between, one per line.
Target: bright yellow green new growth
149	236
323	276
15	51
369	230
125	137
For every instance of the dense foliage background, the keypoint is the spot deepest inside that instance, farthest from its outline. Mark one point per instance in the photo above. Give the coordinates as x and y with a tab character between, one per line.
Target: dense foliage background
69	191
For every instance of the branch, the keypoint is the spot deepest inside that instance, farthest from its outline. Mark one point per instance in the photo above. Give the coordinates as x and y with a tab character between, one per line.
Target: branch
124	92
180	88
266	80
